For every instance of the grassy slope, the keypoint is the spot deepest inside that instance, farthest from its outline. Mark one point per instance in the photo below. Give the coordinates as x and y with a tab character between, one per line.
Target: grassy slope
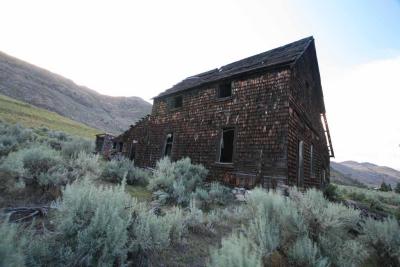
388	202
14	111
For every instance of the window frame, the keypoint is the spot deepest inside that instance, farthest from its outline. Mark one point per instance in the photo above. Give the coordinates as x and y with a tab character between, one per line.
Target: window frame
166	143
172	104
219	88
219	143
300	163
312	161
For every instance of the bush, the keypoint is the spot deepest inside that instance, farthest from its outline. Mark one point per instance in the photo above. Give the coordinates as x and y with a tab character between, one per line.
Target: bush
7	144
38	165
265	232
115	170
220	194
305	253
149	232
93	225
85	165
12	245
195	217
38	160
322	216
343	252
383	237
236	251
176	219
72	148
330	192
277	220
177	179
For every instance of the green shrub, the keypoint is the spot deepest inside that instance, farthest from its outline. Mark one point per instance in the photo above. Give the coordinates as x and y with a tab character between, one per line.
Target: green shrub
7	144
322	216
12	245
305	253
38	160
343	251
55	176
85	165
150	232
330	192
38	165
276	220
220	194
265	232
178	180
383	237
93	225
72	148
236	251
115	170
176	219
195	219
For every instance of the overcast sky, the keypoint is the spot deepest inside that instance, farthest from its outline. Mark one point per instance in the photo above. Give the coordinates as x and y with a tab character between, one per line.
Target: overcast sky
140	48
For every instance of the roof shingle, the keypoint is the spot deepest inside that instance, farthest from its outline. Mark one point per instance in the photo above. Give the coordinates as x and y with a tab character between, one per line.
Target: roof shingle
282	55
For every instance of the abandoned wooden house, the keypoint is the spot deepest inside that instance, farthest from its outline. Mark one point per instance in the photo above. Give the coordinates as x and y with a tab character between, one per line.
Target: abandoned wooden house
260	120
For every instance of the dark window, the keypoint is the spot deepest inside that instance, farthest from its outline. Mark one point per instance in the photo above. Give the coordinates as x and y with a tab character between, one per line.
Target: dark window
121	145
225	90
312	160
177	102
168	144
133	151
226	145
114	145
300	171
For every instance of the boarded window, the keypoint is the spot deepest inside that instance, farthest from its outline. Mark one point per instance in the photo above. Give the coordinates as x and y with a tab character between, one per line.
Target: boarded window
168	144
225	90
300	171
226	145
177	102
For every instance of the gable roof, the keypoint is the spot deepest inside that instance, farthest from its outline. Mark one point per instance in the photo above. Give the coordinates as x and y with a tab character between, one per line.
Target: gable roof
280	56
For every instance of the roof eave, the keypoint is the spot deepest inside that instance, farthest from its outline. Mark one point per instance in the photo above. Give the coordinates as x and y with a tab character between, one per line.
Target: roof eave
233	76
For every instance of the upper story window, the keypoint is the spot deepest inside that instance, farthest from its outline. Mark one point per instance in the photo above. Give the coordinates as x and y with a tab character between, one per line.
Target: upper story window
177	102
225	90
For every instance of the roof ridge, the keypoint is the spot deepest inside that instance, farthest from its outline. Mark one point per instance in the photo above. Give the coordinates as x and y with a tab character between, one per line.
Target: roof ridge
279	56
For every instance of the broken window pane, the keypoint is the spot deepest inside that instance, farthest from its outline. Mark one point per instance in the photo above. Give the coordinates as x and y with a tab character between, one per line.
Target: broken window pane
225	90
168	145
226	145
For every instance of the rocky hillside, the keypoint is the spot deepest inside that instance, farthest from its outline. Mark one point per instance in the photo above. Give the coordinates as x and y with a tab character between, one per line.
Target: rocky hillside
41	88
366	173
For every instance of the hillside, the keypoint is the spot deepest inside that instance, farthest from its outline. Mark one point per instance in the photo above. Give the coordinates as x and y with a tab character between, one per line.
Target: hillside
14	111
41	88
342	179
367	173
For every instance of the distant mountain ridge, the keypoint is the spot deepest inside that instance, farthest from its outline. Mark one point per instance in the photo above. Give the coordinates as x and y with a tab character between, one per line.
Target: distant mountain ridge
367	173
39	87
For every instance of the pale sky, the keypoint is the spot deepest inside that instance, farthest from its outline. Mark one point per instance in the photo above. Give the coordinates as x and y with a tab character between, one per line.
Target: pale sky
141	48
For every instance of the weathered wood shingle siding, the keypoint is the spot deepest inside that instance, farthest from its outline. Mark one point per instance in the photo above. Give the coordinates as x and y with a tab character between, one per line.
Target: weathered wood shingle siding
306	105
258	110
